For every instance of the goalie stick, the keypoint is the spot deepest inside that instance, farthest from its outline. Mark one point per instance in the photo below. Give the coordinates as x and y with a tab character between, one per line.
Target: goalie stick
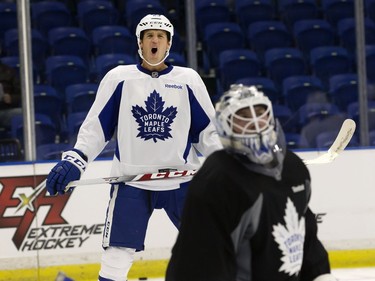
342	140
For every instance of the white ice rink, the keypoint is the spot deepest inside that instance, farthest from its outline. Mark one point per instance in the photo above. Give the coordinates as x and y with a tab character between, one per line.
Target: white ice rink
353	274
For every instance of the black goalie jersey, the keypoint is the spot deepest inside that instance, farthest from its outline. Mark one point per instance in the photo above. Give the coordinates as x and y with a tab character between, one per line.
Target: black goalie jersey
239	225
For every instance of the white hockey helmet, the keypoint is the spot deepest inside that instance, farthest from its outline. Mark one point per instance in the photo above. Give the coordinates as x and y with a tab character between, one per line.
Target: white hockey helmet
256	137
159	22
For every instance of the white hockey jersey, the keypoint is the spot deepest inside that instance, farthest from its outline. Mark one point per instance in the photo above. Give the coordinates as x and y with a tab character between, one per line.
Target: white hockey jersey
160	119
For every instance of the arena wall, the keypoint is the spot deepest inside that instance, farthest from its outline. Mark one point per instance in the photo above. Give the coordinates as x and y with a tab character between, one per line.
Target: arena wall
42	235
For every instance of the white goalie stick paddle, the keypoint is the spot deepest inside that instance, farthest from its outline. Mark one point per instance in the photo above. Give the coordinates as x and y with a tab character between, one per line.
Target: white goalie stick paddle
342	140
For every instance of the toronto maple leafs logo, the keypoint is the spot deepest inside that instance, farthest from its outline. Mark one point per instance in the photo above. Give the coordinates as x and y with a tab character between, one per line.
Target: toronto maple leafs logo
290	238
154	121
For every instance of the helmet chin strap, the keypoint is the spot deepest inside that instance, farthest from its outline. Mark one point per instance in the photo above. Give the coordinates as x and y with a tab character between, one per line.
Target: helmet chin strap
153	64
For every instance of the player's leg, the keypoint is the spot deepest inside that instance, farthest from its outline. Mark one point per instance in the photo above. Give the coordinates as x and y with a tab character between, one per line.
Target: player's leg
116	263
174	203
124	231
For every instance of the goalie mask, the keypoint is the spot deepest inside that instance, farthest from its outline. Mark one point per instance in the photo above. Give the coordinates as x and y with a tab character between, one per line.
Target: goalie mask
158	22
246	125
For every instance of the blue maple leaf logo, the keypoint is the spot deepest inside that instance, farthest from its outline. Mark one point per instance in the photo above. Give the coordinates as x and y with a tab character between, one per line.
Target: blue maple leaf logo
154	121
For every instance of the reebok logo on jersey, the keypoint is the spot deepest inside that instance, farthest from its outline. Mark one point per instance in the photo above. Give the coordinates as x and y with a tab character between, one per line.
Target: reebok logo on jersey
154	121
298	188
174	86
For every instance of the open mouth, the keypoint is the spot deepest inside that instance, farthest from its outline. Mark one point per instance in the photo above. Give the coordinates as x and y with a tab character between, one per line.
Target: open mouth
154	50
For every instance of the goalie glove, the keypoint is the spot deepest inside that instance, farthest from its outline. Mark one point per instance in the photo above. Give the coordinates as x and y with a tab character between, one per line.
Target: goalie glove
325	277
70	168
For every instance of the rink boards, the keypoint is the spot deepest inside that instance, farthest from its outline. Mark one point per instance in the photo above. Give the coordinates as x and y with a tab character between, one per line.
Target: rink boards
43	235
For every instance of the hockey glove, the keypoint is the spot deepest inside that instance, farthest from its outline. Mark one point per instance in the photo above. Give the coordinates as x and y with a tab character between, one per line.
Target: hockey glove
70	168
325	277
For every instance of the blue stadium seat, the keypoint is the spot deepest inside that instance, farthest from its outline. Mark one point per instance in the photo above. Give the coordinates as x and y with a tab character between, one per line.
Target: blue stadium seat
176	59
80	97
343	89
178	44
104	63
48	102
8	18
10	150
110	39
327	61
136	9
219	37
285	116
346	31
208	12
335	10
316	109
46	15
235	64
318	125
14	61
265	35
249	11
324	140
266	85
370	63
39	46
370	9
292	140
284	62
353	113
94	13
74	122
291	11
45	129
299	89
65	70
70	40
311	33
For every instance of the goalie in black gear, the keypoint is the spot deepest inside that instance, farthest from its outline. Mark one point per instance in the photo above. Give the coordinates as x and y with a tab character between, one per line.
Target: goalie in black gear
246	216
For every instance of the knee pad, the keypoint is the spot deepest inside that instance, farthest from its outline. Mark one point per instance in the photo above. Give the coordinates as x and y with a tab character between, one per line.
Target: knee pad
116	263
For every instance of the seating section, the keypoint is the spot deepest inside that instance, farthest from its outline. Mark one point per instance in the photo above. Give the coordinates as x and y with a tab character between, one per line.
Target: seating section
327	61
208	12
265	35
221	36
46	15
137	9
107	39
311	33
94	13
248	12
70	40
292	11
235	64
301	54
281	63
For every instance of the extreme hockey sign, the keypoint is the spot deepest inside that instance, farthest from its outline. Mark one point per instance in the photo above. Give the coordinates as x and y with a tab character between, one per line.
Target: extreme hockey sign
20	200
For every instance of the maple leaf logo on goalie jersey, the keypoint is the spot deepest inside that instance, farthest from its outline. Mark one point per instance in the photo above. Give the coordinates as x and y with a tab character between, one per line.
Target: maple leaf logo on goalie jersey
290	238
154	121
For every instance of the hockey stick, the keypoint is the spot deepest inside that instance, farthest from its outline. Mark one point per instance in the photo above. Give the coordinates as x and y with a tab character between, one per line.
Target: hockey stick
342	140
140	177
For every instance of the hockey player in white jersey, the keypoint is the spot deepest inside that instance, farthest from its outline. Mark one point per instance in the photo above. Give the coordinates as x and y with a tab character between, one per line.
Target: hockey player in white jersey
161	115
